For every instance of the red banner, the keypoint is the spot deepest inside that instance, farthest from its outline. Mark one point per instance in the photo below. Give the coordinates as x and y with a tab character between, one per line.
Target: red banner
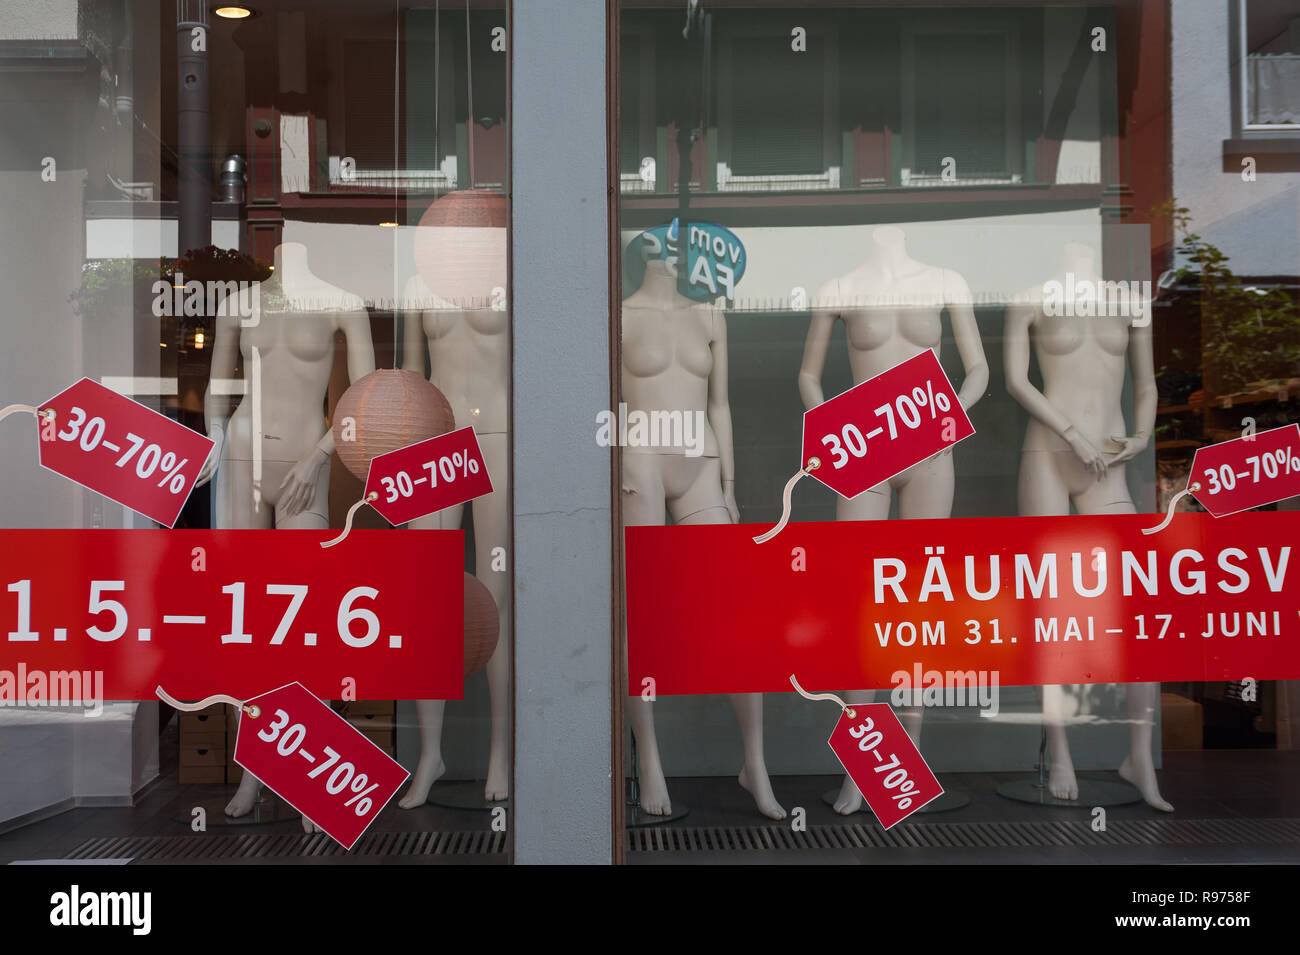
125	451
207	612
317	762
1037	600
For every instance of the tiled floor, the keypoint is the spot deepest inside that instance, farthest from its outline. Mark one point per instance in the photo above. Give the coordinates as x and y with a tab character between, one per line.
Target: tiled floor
1251	784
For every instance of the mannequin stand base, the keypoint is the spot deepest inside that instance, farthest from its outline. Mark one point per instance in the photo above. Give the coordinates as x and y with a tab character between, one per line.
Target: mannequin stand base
1092	792
638	818
950	800
466	794
268	809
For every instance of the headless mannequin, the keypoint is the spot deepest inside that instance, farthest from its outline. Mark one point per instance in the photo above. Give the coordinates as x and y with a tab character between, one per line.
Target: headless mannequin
469	354
675	359
274	449
881	332
1075	451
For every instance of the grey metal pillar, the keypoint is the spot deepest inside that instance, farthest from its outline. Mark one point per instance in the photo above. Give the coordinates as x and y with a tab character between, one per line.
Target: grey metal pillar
193	127
562	553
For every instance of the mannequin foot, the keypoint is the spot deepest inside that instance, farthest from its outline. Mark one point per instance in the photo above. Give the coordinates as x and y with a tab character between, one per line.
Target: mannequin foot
654	793
498	777
428	772
849	800
1141	772
241	804
758	785
1060	780
309	826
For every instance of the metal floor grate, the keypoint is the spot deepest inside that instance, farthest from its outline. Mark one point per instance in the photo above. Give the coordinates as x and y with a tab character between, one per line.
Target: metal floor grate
968	835
287	846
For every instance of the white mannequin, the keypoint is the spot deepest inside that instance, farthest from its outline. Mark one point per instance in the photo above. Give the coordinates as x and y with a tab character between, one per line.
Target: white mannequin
892	309
1075	450
675	359
469	354
275	447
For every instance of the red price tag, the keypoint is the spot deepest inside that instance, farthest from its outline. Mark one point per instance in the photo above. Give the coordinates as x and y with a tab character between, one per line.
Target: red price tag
121	449
883	426
1246	472
883	762
428	476
317	762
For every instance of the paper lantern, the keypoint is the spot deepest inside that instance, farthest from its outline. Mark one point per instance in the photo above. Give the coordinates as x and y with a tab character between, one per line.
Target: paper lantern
460	248
386	410
482	625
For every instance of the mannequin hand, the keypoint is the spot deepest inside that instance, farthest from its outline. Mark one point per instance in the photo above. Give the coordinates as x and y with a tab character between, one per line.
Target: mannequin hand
299	485
1092	459
1125	447
729	497
209	469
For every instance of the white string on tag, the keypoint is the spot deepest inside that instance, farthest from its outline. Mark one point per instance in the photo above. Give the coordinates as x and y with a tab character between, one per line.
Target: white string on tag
822	696
1173	502
813	465
347	525
252	709
46	413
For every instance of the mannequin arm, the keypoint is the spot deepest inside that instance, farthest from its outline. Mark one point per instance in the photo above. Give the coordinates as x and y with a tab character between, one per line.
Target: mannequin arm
967	333
355	325
815	347
413	341
1015	353
720	413
411	309
1145	397
216	407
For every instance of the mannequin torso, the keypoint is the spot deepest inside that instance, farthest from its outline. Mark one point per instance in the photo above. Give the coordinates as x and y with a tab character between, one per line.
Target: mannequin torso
668	354
469	357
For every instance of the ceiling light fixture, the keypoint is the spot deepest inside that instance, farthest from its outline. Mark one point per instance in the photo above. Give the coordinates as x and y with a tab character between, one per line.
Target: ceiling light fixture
233	12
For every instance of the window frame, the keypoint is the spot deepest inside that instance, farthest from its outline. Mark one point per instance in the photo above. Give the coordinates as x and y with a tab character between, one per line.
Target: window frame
728	30
1008	28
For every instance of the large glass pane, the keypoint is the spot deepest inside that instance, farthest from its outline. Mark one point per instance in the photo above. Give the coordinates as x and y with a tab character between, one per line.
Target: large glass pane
1010	212
283	227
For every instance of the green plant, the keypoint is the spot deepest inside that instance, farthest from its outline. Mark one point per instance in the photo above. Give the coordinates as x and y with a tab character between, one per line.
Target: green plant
1250	334
105	284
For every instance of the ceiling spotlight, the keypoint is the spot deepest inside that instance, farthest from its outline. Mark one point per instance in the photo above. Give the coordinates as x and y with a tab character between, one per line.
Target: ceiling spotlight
388	225
233	12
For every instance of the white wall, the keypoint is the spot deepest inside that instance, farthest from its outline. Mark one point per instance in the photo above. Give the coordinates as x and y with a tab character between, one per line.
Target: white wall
1254	223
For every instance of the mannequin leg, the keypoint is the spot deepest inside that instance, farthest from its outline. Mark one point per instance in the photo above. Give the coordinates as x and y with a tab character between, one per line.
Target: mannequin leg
492	530
872	505
1043	493
1111	496
314	517
700	502
1138	767
643	504
429	713
235	509
753	776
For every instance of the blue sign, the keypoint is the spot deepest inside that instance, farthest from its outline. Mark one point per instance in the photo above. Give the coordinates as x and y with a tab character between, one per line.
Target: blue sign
715	259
